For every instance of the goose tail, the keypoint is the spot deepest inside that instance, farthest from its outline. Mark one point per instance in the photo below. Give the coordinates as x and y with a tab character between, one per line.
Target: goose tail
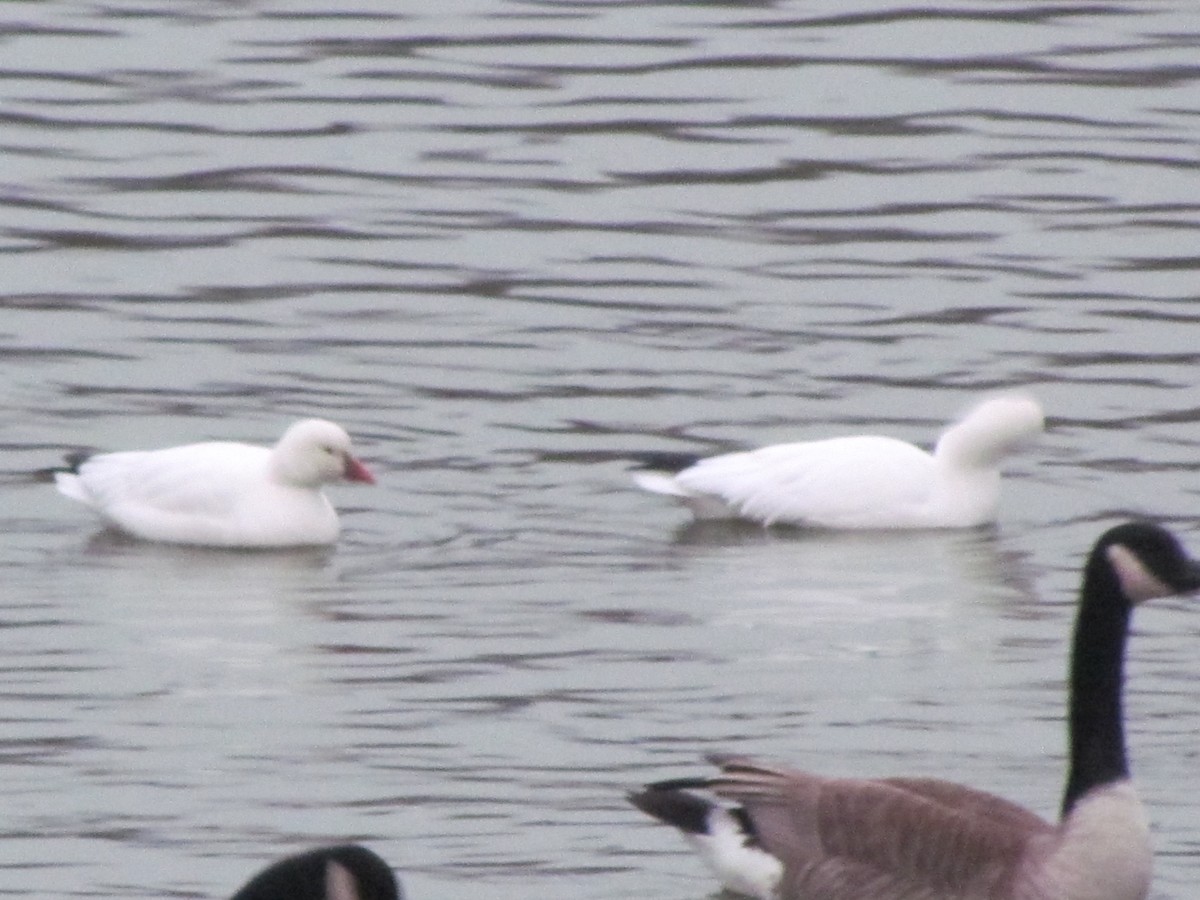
722	837
66	476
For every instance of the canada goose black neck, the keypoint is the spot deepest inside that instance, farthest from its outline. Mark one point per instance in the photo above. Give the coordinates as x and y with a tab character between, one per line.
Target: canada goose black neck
1095	723
1131	563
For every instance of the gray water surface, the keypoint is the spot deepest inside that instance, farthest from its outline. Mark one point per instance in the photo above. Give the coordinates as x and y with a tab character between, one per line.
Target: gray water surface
505	243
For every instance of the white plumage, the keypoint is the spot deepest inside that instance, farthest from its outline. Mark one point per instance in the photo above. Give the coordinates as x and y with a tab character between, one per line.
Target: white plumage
738	861
221	493
861	482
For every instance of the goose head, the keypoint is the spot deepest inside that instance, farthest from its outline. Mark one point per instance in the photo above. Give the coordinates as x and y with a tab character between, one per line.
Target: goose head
344	872
1142	561
991	431
315	452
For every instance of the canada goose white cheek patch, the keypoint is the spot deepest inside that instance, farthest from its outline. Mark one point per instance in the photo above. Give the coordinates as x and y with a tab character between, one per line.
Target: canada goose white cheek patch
1137	583
339	883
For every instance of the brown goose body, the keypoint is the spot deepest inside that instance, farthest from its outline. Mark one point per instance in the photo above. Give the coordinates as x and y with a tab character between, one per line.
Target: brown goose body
924	839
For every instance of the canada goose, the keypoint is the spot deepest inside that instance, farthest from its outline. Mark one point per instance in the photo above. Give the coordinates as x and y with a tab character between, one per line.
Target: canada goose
798	836
345	872
864	481
220	493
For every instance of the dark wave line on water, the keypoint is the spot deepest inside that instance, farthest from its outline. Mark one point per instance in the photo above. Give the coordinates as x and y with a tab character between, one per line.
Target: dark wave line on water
715	128
267	179
68	239
407	47
28	353
977	69
112	123
1034	14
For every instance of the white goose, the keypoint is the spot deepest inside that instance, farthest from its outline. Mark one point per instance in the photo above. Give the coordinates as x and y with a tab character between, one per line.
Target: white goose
863	481
219	493
345	872
798	836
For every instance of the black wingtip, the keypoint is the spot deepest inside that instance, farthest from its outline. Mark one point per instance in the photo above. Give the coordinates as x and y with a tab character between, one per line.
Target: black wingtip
76	459
671	463
304	876
72	462
677	808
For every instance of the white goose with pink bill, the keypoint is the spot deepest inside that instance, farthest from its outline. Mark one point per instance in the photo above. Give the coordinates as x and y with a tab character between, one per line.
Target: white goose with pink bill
221	493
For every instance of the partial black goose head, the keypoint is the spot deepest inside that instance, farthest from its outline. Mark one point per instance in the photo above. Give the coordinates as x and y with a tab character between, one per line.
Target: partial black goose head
344	872
1146	560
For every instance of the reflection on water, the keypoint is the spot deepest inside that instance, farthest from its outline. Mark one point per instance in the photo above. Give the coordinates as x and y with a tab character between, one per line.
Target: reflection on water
506	244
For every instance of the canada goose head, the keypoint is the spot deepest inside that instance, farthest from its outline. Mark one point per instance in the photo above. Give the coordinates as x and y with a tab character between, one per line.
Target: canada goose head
991	431
345	872
1145	561
315	452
